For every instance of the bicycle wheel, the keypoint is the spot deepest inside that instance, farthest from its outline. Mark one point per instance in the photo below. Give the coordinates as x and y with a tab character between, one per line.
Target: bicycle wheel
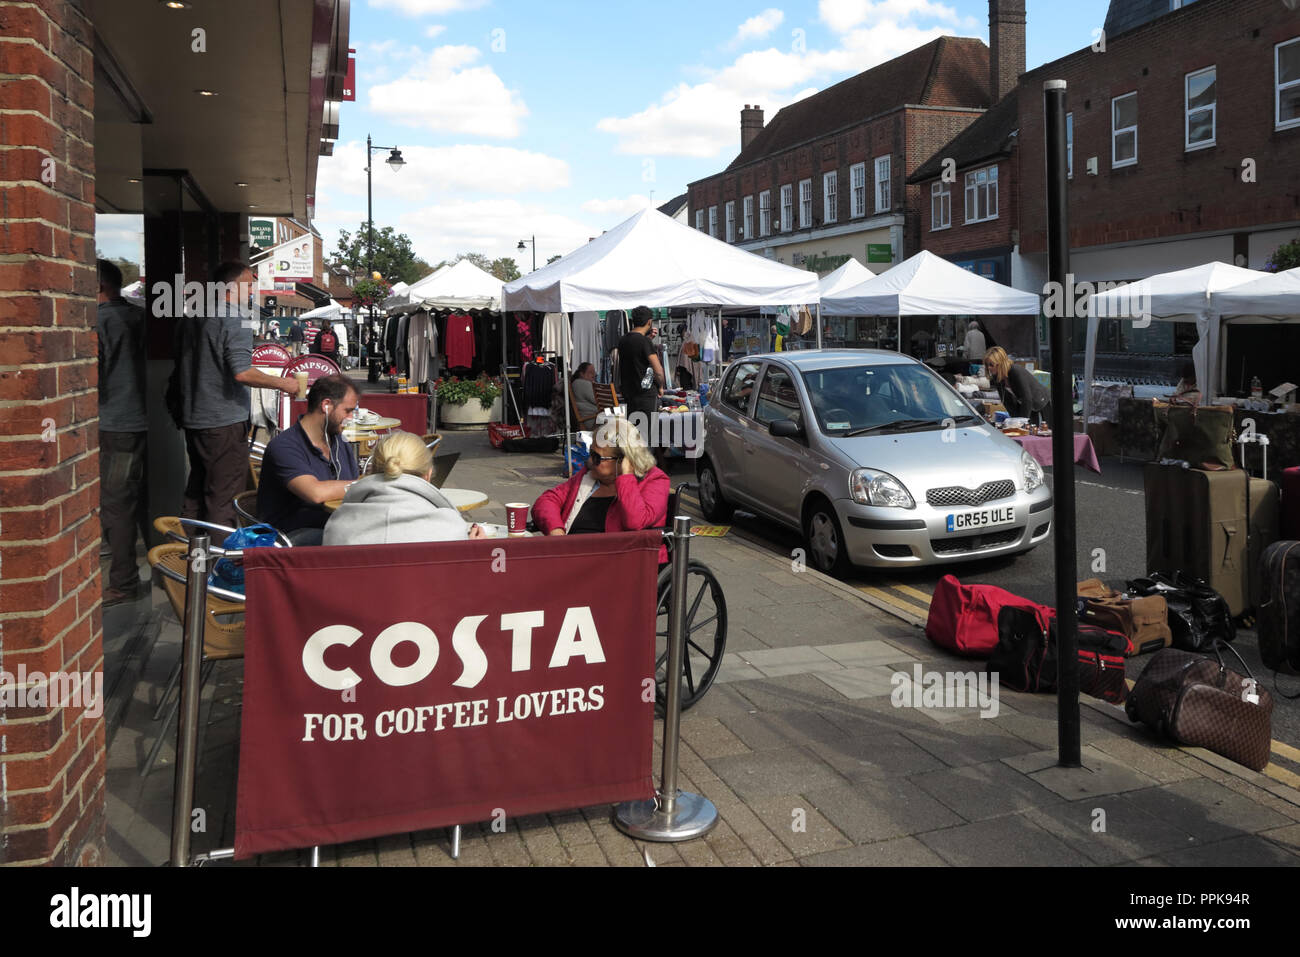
705	630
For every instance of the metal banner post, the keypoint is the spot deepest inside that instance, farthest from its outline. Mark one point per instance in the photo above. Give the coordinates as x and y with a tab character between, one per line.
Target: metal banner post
196	602
672	815
819	325
1058	268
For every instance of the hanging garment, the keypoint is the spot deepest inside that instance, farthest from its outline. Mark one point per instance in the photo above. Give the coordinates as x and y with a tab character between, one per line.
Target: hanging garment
420	341
539	385
524	328
460	341
553	330
403	353
615	328
586	338
390	339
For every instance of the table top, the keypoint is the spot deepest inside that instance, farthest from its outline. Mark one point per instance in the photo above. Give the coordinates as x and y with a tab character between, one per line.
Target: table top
464	499
383	422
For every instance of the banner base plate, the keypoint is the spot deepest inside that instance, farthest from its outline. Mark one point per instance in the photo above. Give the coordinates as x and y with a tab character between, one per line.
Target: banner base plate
693	816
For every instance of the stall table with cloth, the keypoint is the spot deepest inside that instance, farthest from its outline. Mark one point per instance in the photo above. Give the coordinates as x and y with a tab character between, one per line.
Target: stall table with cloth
1040	447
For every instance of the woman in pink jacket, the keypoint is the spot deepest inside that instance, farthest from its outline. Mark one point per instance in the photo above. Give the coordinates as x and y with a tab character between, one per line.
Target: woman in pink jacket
619	490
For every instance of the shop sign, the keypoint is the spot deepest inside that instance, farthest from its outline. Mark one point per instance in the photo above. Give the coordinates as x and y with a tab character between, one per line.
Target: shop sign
880	253
261	233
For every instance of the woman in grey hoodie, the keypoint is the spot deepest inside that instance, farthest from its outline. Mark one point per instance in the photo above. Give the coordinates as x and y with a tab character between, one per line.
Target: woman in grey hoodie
397	503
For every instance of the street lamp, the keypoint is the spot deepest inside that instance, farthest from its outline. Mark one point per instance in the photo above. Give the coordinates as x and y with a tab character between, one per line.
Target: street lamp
395	163
529	242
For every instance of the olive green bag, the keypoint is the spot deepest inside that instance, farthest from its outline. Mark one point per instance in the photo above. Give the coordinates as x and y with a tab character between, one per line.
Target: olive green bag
1201	435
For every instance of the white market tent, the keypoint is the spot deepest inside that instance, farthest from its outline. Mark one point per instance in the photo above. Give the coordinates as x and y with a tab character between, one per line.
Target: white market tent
929	285
461	285
653	260
1183	294
1272	297
852	273
333	311
396	297
134	292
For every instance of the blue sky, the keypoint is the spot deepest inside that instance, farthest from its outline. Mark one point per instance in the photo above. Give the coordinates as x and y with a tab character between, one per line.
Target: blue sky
562	118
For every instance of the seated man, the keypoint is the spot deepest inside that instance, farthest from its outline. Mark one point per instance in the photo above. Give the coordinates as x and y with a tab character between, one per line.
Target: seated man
309	464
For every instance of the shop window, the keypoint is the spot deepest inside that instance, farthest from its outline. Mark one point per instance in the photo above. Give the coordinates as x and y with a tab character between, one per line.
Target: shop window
731	221
749	217
830	196
883	199
940	205
982	195
1201	107
1124	130
1286	71
805	203
713	221
858	189
787	208
765	213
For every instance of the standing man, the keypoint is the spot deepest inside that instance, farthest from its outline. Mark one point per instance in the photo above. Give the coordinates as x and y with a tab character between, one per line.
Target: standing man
295	337
309	463
640	372
209	394
123	428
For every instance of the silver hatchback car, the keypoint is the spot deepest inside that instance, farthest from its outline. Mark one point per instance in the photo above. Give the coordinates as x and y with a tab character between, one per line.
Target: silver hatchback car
873	457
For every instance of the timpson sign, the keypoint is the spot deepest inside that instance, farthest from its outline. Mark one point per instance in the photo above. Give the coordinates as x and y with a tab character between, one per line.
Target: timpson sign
402	687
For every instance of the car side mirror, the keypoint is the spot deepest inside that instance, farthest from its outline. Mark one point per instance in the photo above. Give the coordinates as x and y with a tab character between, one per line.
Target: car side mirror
785	429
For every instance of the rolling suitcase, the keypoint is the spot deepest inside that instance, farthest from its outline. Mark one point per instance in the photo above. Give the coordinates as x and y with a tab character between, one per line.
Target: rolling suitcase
1279	605
1196	523
1291	503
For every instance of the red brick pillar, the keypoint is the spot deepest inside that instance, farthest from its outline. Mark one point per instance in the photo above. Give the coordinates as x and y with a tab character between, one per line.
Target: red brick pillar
52	755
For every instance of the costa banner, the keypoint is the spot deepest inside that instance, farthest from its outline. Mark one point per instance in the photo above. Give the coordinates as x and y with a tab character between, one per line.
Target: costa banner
395	688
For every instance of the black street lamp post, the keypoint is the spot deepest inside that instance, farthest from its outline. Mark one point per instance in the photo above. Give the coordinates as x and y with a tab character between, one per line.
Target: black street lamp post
529	242
395	163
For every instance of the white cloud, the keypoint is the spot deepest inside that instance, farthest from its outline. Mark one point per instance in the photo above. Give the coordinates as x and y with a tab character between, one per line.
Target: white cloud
703	119
434	30
843	15
619	208
492	227
420	8
435	170
447	94
758	26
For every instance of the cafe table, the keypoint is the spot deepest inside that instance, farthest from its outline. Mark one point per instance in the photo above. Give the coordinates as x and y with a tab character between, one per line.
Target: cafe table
465	500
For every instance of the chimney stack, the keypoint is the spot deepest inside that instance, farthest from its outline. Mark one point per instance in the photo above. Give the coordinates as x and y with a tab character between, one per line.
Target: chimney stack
1006	46
751	124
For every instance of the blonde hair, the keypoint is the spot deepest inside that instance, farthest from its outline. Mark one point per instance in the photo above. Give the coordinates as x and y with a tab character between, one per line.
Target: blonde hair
616	432
997	360
401	453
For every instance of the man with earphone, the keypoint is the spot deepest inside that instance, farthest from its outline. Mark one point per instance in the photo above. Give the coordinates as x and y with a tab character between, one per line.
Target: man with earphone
310	463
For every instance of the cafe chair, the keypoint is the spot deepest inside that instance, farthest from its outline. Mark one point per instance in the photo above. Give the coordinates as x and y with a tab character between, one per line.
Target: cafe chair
431	440
222	639
584	423
606	395
442	466
246	508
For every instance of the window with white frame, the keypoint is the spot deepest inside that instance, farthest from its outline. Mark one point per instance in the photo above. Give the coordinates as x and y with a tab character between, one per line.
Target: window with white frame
765	213
1069	145
1286	77
787	208
940	205
830	196
1124	130
858	189
883	198
805	203
699	220
1201	106
731	220
749	217
713	221
982	195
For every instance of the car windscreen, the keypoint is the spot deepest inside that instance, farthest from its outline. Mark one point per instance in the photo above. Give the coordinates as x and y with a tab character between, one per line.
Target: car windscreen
859	400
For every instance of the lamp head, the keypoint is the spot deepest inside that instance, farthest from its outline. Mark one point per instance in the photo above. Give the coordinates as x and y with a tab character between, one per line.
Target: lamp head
395	161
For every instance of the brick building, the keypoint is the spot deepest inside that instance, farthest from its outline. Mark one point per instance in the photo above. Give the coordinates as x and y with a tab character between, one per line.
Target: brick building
122	108
827	178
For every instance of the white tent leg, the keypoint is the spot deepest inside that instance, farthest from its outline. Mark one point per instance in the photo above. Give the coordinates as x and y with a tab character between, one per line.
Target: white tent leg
564	384
819	325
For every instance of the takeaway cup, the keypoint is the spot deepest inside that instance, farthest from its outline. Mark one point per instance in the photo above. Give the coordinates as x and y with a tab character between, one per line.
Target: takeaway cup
301	376
516	519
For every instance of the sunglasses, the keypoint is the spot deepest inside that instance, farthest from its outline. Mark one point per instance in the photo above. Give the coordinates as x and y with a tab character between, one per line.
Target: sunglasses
593	457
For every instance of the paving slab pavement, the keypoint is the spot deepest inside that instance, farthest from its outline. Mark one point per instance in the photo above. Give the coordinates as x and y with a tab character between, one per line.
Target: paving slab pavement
801	745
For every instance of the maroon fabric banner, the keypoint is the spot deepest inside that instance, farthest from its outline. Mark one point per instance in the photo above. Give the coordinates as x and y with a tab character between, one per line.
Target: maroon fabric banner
395	688
411	408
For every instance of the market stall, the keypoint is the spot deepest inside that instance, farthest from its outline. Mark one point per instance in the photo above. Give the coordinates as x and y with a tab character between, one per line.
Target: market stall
653	260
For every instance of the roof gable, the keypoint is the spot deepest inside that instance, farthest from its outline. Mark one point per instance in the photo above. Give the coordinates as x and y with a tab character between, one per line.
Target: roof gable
984	139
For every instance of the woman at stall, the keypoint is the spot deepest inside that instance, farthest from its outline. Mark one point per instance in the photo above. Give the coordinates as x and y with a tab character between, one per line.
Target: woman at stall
397	503
584	391
618	490
1022	395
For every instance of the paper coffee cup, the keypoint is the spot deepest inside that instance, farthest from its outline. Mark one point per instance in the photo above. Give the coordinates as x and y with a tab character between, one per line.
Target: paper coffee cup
516	519
301	376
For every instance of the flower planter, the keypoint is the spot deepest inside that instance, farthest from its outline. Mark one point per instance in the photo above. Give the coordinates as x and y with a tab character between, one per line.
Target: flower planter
468	416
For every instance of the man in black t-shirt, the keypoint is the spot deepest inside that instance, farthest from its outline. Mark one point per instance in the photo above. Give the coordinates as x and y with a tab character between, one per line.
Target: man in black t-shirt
640	372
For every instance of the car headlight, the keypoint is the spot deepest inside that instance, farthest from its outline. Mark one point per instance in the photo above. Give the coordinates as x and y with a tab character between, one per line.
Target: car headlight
1032	470
870	487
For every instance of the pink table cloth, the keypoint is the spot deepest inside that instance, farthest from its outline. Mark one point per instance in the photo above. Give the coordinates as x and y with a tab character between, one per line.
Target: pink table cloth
1040	447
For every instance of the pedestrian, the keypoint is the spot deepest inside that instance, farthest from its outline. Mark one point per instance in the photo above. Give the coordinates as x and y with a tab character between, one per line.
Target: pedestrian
296	337
309	336
974	344
209	397
123	428
1022	395
640	373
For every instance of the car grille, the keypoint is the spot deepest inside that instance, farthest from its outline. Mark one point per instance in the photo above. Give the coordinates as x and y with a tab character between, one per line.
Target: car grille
955	495
974	543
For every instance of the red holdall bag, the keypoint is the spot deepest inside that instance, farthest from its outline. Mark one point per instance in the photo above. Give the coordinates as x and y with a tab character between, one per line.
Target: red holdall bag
498	432
964	618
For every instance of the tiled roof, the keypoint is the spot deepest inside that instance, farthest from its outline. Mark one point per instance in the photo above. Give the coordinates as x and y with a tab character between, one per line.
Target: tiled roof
1124	15
984	139
671	207
948	71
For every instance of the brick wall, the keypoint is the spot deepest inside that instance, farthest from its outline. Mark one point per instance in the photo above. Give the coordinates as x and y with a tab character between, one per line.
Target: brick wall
961	237
53	759
1170	192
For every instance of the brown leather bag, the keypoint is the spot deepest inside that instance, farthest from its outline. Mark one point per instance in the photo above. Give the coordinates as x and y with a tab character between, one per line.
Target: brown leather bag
1199	702
1144	621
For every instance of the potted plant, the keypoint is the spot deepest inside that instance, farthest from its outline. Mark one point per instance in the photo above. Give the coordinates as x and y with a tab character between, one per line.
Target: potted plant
468	403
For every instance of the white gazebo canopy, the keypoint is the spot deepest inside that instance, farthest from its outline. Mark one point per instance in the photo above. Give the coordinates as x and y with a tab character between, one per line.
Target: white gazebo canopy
461	285
929	285
653	260
1192	294
332	312
1268	297
396	296
850	274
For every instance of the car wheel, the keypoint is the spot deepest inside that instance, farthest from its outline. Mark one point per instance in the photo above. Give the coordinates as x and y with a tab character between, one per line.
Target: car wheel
825	540
714	507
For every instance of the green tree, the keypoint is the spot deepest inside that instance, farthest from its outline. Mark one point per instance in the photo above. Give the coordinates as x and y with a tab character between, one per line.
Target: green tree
1286	256
130	270
478	259
394	256
504	269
